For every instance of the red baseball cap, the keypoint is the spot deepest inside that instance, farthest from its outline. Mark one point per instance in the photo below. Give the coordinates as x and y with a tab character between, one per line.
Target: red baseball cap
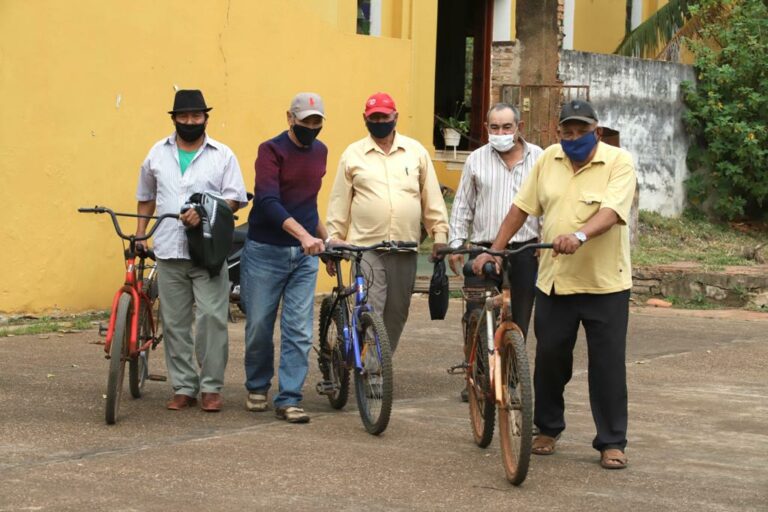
379	102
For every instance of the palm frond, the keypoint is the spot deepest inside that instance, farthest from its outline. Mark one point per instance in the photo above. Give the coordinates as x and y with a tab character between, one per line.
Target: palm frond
656	31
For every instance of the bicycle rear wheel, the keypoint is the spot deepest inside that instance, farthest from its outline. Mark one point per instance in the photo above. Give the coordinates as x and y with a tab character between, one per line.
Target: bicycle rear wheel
516	409
138	367
482	413
331	357
373	385
118	353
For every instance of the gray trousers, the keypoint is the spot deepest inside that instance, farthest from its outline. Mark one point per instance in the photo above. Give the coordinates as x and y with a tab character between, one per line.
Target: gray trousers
390	294
182	286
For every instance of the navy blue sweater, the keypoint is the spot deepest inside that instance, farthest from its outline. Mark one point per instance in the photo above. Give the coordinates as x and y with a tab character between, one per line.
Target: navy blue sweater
288	179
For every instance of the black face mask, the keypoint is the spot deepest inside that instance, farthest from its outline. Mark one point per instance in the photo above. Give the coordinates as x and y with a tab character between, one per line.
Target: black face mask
190	132
380	130
306	136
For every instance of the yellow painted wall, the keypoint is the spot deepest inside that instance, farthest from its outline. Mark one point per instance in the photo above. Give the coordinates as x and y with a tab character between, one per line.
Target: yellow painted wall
86	86
598	25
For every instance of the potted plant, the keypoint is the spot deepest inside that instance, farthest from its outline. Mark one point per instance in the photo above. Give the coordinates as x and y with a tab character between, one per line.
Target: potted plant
455	126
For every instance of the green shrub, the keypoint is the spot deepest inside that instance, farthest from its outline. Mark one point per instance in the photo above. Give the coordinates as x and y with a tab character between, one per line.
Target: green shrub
728	111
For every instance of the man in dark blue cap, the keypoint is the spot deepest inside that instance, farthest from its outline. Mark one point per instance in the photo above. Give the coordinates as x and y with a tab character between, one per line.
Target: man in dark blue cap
584	189
187	162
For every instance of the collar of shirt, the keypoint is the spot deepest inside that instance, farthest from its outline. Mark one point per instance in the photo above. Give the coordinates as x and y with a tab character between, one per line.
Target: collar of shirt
526	154
370	145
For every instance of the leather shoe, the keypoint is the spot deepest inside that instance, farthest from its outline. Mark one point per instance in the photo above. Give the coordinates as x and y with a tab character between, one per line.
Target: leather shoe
180	402
211	402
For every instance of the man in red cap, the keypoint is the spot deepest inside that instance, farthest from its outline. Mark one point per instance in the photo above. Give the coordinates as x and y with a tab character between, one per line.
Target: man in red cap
385	187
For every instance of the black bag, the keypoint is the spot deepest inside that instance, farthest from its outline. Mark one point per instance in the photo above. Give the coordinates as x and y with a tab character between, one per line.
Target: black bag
438	292
211	240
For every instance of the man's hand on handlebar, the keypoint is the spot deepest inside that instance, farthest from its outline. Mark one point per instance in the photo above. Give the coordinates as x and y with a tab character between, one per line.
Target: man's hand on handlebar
436	247
482	259
142	245
311	245
190	218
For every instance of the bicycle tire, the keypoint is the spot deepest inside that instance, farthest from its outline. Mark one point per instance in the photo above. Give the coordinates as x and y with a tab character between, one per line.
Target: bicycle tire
118	352
138	367
374	401
516	409
330	357
482	410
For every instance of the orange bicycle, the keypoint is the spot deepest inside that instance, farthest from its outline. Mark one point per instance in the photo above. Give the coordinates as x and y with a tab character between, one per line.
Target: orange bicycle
132	330
496	368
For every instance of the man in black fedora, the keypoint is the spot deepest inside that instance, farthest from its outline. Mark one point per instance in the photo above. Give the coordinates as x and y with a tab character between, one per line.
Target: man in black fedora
187	162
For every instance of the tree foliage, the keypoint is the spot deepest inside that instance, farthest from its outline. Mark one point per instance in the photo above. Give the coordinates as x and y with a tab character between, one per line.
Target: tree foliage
728	111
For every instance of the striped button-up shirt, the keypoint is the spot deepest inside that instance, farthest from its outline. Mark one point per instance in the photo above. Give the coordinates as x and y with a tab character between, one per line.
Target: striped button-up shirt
485	195
214	168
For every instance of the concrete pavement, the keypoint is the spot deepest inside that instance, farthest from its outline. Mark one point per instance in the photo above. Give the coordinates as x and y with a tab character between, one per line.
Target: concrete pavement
697	440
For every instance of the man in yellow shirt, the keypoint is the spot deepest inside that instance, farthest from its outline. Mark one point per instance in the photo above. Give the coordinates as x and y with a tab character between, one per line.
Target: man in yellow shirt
385	186
584	189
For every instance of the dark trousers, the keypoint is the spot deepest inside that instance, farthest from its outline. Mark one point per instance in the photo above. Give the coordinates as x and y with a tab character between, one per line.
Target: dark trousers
521	272
556	324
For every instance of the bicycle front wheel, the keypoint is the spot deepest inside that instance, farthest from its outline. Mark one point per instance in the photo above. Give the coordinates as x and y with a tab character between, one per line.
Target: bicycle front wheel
331	357
138	367
482	412
373	384
516	408
118	353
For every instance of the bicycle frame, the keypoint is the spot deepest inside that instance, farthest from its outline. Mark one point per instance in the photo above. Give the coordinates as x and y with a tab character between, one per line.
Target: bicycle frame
133	283
351	351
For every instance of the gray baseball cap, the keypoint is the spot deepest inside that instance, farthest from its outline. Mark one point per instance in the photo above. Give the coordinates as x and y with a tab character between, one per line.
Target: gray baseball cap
307	104
578	110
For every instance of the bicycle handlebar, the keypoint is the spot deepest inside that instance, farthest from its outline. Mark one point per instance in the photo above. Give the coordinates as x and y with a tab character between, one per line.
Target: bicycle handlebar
474	251
394	245
103	209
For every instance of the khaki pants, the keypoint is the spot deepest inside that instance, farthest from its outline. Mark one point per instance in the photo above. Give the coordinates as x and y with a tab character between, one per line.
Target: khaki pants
390	294
182	286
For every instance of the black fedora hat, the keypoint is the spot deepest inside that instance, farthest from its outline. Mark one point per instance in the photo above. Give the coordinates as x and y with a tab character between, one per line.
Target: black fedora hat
189	100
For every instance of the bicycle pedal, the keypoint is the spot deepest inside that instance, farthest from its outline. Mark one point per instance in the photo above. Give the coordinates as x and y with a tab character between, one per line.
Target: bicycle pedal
155	376
325	387
457	369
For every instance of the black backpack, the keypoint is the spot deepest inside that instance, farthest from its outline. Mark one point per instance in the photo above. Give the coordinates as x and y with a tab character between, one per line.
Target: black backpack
211	240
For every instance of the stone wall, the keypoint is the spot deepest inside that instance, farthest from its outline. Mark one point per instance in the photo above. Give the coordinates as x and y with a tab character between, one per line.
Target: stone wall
505	67
641	99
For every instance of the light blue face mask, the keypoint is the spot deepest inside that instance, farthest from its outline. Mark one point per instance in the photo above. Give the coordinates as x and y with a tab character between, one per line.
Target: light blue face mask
578	150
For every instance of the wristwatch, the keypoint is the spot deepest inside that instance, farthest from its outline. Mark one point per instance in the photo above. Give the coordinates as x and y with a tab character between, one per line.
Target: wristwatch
580	236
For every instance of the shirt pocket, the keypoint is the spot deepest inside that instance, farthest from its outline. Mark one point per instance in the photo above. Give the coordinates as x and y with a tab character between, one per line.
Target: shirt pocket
588	205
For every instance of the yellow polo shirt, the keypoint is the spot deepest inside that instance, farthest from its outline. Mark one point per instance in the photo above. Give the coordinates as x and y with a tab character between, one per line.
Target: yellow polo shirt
567	200
378	196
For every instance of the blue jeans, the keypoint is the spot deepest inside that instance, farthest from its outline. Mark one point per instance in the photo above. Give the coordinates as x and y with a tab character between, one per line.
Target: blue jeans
271	273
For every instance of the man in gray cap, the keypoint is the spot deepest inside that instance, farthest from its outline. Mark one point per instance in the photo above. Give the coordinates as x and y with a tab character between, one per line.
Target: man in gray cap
584	189
279	264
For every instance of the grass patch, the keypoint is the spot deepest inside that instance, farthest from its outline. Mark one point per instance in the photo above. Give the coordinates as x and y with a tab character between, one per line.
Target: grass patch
697	302
30	326
693	238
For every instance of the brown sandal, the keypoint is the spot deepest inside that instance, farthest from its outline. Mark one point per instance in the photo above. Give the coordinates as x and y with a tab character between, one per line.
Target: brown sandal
543	445
613	458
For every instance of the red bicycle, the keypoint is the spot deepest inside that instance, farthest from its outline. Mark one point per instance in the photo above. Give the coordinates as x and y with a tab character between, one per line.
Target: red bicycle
133	324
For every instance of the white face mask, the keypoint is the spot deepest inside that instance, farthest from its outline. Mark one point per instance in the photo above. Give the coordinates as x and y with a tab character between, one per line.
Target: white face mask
502	143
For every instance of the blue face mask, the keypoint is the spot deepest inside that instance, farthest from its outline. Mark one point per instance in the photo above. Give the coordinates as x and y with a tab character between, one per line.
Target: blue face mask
578	150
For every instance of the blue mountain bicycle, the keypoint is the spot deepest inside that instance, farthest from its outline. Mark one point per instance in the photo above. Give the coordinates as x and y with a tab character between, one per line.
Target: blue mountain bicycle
352	335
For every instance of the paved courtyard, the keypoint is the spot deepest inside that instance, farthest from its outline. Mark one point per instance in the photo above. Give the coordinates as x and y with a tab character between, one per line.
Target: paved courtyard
698	440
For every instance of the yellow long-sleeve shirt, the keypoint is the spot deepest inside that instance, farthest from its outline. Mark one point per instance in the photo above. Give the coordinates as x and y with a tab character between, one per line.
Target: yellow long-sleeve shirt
378	196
